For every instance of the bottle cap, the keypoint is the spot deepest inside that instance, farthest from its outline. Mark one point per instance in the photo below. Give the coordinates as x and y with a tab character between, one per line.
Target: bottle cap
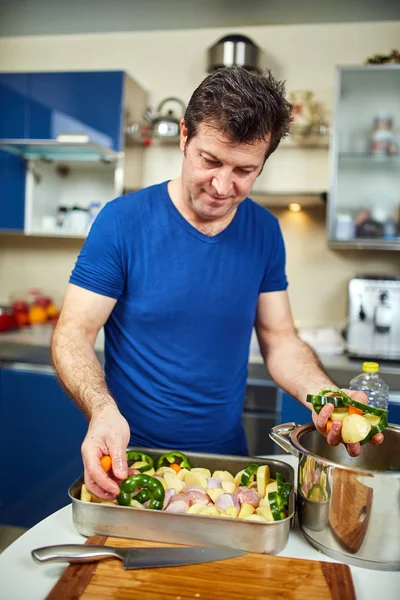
370	367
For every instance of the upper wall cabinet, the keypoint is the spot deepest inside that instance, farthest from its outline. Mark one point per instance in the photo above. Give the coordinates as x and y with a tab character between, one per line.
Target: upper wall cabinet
62	144
90	103
13	124
364	201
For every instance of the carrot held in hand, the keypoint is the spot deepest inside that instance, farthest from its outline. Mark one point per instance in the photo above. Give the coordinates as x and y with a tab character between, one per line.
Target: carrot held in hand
105	462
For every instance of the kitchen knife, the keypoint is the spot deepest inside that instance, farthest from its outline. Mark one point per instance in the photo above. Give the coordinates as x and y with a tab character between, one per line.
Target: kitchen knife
135	558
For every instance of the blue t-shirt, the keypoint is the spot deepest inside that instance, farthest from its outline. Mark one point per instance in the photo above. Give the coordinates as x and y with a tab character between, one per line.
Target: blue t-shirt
177	341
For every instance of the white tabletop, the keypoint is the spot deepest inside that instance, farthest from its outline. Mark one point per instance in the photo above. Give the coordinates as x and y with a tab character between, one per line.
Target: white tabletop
21	578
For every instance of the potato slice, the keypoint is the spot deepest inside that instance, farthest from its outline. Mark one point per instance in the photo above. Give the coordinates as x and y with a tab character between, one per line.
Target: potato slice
195	479
271	487
181	474
162	481
138	464
372	419
163	470
86	496
215	493
211	511
355	428
205	472
173	482
195	509
224	475
339	414
136	504
262	479
246	510
265	512
255	518
238	477
232	511
228	486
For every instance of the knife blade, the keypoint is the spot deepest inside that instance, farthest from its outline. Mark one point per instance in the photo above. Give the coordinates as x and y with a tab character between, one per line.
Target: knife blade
135	558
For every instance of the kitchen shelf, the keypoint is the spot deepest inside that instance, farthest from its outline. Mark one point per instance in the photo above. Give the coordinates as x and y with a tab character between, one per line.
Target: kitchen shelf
53	150
369	159
282	199
365	244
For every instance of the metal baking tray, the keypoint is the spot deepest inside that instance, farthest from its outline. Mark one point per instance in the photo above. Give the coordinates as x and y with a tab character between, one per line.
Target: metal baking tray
152	525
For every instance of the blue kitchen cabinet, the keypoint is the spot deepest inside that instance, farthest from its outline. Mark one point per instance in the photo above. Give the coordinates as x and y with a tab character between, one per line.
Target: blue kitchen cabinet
394	413
80	102
13	125
293	411
41	433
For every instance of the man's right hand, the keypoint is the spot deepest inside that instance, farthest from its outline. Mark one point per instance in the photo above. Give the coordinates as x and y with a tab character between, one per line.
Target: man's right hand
108	434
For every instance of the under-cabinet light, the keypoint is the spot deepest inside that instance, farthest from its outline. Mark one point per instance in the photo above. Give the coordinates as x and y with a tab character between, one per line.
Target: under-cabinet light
294	207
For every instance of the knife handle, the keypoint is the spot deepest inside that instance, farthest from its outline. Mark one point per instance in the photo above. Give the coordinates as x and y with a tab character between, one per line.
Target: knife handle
73	553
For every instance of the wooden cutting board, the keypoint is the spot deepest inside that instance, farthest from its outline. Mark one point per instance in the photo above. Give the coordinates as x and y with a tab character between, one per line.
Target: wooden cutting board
258	576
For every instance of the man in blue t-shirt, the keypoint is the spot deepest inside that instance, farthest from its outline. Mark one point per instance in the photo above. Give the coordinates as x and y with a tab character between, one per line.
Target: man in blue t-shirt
178	274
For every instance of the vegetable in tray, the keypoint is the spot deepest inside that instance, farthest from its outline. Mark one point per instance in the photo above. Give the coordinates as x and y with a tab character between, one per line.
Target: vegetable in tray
175	486
360	422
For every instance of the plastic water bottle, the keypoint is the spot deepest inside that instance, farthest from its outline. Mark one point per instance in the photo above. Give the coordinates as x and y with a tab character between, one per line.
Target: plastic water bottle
374	386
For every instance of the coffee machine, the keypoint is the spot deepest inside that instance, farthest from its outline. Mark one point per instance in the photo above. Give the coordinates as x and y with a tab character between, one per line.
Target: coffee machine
373	329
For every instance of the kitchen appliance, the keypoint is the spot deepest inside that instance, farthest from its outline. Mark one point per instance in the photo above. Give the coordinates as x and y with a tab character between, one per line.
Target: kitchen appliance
269	537
234	50
373	329
165	124
347	507
134	558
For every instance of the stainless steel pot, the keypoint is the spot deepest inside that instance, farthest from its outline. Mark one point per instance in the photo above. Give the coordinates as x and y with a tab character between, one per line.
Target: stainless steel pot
349	508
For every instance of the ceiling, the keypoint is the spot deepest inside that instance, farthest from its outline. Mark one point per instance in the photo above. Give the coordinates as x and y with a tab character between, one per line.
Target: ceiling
49	17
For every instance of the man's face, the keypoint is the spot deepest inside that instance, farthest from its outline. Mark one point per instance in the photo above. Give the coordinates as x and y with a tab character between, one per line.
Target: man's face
217	174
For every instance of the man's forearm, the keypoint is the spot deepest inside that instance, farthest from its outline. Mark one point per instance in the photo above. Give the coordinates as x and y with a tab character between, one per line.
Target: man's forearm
295	367
79	370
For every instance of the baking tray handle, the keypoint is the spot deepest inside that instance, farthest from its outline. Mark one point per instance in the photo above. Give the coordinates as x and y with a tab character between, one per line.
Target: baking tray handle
279	435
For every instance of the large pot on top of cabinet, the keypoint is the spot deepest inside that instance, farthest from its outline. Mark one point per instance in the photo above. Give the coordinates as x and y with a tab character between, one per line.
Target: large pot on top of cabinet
349	508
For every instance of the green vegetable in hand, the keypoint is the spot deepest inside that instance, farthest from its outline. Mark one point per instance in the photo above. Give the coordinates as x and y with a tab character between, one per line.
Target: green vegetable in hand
152	485
353	429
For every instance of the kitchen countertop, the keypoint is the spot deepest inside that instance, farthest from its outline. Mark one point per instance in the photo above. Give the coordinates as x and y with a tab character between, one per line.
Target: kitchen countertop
22	578
32	346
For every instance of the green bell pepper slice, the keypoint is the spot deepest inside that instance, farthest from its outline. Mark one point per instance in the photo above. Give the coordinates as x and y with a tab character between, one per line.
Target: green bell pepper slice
132	456
171	458
317	493
383	423
146	482
342	400
277	506
248	473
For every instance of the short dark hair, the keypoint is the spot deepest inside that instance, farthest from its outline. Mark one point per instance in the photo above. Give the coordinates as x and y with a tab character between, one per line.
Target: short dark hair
247	106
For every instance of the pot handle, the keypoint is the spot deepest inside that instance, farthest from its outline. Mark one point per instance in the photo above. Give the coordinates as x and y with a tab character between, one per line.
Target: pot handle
278	435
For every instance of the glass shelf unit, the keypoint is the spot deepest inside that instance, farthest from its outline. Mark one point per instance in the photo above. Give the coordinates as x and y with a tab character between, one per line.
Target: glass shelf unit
364	194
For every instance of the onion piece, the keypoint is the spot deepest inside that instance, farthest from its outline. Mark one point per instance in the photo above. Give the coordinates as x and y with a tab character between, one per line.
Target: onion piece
214	482
226	500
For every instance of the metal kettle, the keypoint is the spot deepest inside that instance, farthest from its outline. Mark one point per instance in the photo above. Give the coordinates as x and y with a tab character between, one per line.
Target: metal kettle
165	124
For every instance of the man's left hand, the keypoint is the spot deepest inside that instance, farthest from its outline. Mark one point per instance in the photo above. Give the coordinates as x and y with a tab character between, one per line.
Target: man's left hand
334	437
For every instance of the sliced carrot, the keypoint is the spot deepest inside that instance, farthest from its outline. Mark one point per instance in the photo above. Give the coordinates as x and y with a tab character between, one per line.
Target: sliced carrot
175	467
328	426
355	411
105	462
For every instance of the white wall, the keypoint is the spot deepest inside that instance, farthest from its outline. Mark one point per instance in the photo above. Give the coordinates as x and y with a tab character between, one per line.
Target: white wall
173	63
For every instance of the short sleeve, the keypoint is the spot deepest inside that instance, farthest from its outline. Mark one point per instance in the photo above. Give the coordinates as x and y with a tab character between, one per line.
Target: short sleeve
275	273
99	267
